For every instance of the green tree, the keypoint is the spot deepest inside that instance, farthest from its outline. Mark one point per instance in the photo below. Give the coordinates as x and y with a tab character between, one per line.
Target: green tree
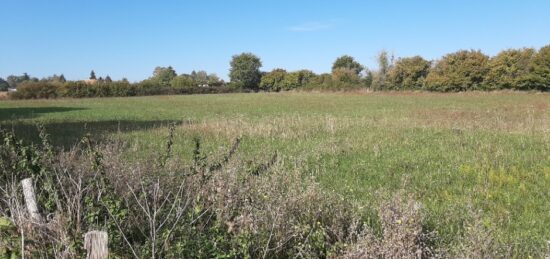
540	70
62	78
201	77
322	81
510	69
345	75
3	84
384	65
163	75
368	78
273	81
383	62
183	81
14	80
280	80
408	73
108	79
291	81
459	71
214	80
348	63
245	70
92	75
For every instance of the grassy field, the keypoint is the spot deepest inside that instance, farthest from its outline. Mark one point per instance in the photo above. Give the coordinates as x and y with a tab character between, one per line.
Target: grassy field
456	153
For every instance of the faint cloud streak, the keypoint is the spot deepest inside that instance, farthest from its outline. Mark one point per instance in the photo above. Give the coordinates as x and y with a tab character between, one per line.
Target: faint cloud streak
310	26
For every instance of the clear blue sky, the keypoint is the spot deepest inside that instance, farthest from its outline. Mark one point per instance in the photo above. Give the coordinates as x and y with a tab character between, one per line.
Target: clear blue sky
128	38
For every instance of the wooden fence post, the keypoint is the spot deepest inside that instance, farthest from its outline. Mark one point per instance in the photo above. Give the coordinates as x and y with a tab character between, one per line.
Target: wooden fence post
30	200
96	245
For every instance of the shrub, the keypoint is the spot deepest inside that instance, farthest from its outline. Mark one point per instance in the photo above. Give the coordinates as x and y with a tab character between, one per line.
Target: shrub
408	73
273	81
510	69
211	207
403	233
345	76
540	70
35	90
347	63
214	206
459	71
3	85
183	81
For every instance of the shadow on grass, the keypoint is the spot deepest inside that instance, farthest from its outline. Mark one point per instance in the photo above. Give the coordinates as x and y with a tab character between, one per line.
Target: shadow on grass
67	134
32	112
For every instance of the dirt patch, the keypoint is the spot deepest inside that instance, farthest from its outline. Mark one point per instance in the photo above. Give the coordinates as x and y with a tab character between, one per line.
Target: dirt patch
3	95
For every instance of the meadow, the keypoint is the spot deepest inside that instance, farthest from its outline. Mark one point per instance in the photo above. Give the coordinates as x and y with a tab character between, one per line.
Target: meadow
481	152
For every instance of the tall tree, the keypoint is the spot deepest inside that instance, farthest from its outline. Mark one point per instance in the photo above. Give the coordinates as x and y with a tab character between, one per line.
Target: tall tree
14	80
108	79
540	75
345	75
273	80
3	84
408	73
92	75
383	62
384	65
510	69
163	75
183	81
245	70
347	62
62	78
214	80
459	71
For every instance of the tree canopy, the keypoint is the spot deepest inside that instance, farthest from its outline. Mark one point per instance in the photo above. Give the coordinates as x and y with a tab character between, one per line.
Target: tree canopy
3	84
245	70
92	75
348	63
408	73
459	71
510	69
541	69
163	75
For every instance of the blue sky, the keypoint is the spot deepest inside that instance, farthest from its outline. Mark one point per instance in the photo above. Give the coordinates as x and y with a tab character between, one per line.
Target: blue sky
128	38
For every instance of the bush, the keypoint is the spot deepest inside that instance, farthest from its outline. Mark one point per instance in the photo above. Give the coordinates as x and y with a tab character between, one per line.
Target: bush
408	73
35	90
510	69
459	71
540	70
214	206
273	81
345	76
3	85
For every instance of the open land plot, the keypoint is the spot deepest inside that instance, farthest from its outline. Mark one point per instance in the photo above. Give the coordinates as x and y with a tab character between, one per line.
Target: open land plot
488	152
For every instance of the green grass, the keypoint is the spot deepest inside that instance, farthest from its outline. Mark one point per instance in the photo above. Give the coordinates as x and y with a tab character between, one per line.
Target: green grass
486	152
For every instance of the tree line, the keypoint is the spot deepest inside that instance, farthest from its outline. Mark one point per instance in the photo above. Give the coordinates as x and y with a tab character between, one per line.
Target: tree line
464	70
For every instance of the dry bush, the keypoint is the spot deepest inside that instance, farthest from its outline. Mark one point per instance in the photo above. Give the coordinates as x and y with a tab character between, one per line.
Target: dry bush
214	206
162	207
403	234
282	212
478	240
